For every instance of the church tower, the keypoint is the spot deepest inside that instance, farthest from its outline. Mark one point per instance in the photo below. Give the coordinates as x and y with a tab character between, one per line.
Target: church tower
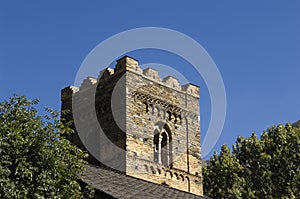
153	123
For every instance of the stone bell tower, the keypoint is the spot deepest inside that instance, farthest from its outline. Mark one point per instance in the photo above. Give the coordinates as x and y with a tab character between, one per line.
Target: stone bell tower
153	121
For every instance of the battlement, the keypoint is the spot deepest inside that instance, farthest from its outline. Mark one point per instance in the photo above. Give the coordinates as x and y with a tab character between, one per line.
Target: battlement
139	123
88	82
152	73
68	92
130	64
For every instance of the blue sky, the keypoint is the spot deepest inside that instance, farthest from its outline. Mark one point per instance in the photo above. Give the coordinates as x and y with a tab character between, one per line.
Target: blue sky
255	44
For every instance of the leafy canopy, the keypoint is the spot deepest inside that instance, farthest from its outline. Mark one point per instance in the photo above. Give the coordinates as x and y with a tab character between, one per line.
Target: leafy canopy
35	160
268	167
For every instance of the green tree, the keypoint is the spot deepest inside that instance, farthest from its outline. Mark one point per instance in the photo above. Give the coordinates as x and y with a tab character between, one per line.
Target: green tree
268	167
223	175
35	160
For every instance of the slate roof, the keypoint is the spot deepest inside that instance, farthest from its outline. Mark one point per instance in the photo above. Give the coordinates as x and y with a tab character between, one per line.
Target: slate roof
119	185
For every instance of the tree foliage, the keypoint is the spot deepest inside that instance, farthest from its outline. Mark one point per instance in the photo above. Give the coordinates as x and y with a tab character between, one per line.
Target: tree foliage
268	167
35	160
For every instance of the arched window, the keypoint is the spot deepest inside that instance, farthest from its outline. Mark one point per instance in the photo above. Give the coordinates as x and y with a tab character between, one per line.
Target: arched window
163	147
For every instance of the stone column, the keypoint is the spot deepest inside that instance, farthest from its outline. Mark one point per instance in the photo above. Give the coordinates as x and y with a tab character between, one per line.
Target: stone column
159	149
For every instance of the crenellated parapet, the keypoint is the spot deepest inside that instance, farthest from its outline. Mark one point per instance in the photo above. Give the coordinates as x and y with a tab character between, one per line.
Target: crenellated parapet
172	82
87	83
151	73
152	121
68	92
106	74
191	89
130	64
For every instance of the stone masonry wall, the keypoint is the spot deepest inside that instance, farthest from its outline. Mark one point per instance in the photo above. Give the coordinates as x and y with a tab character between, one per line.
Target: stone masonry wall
153	104
133	107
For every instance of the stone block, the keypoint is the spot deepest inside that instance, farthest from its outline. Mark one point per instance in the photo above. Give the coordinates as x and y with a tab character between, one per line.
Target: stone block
172	82
152	73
